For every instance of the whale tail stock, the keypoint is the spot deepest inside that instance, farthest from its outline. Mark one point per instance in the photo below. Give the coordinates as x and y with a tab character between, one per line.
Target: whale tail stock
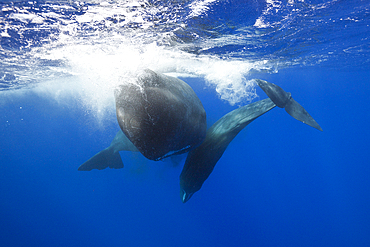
103	159
284	100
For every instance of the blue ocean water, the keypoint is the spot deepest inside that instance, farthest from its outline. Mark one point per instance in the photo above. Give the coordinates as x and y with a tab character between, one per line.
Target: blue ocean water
279	183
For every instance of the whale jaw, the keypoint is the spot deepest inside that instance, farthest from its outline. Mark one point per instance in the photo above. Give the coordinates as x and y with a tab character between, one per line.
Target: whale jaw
185	196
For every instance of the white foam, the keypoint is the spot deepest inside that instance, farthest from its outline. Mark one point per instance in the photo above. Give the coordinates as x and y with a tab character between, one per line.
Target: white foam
98	69
200	7
5	34
99	60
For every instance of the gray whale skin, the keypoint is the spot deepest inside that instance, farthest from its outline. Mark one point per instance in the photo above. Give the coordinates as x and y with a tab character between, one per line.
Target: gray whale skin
110	157
161	116
200	161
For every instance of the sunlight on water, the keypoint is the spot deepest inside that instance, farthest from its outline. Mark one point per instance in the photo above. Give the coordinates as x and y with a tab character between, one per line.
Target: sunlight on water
97	69
85	49
94	52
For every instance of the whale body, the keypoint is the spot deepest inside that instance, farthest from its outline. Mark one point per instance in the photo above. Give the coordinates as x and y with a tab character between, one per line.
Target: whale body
200	162
160	115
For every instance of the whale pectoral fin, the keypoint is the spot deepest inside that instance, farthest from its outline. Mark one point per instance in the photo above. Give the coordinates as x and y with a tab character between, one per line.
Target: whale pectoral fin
298	112
103	159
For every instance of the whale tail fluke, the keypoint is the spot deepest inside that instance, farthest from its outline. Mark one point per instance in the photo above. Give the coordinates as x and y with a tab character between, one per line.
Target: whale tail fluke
103	159
298	112
284	100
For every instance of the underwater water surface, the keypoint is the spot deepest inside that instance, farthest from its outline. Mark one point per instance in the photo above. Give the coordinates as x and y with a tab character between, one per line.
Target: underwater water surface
279	183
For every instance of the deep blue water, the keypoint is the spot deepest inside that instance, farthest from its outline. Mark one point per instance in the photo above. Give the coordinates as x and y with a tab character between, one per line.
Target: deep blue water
279	183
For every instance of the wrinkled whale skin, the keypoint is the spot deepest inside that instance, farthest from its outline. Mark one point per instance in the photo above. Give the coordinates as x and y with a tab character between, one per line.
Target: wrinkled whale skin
160	115
200	162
